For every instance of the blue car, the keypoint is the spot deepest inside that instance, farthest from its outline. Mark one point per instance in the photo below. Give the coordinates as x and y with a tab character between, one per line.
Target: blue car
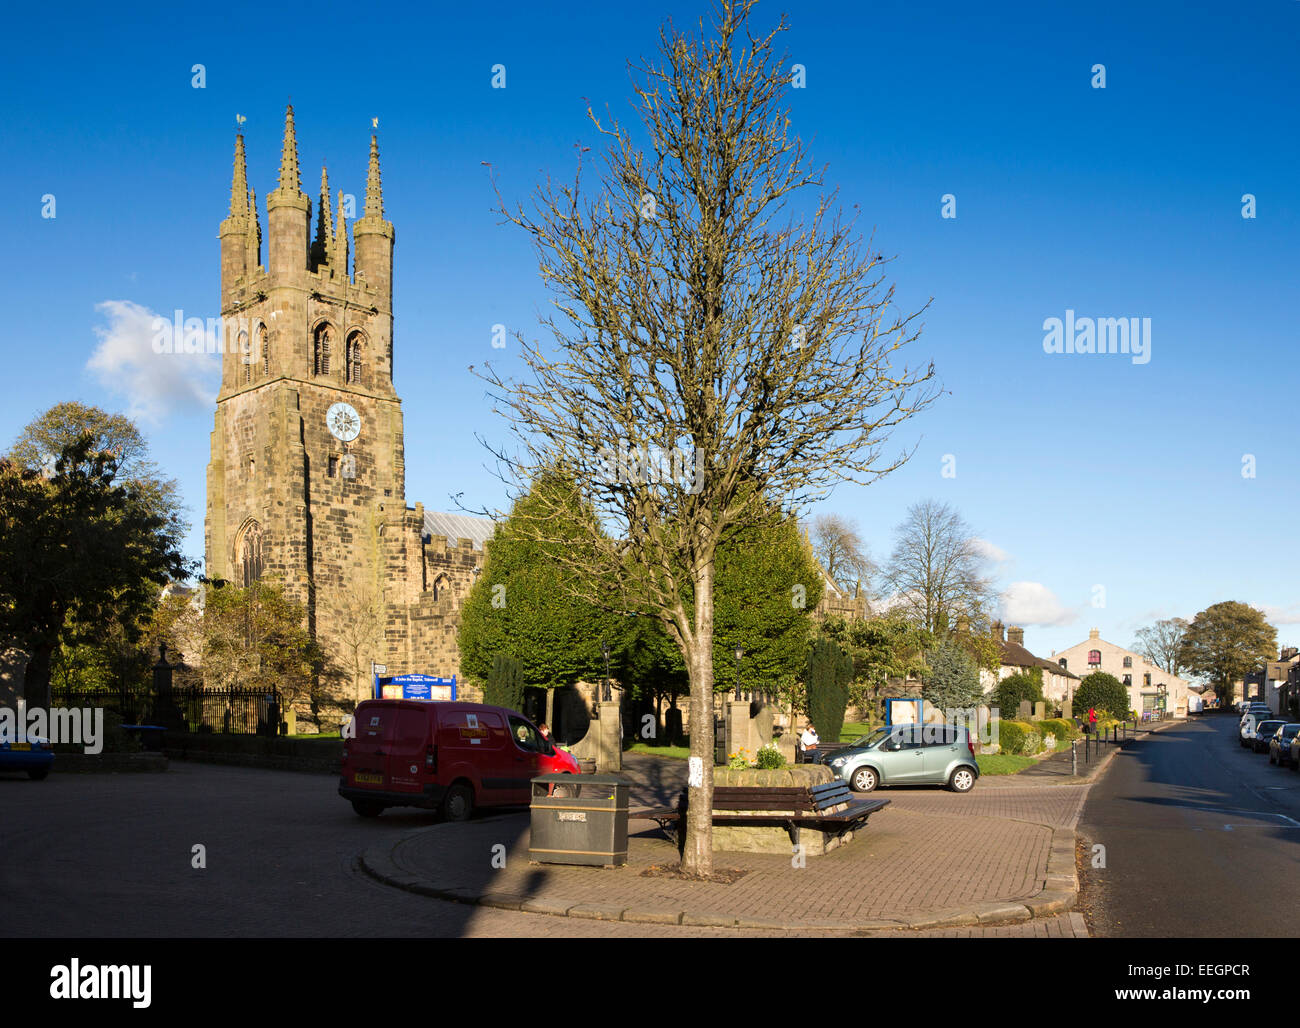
28	753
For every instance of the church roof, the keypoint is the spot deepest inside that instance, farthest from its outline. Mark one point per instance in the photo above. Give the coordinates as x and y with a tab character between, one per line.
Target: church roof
459	526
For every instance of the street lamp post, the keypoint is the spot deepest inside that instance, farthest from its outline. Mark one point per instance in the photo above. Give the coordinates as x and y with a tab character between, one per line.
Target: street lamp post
605	693
740	654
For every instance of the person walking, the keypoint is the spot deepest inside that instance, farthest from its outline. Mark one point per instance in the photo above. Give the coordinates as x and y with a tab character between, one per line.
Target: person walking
1092	720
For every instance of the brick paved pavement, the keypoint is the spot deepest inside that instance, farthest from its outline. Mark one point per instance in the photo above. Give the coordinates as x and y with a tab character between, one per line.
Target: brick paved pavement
109	856
930	857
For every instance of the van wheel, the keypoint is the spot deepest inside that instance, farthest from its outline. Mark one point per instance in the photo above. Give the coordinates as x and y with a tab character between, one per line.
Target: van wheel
864	780
458	804
962	780
368	808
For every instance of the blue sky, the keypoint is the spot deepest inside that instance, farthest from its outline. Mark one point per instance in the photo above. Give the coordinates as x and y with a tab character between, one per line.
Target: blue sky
1118	202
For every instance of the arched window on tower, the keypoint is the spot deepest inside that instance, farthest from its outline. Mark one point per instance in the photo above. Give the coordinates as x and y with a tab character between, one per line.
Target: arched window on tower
249	553
441	584
321	350
264	348
244	359
354	358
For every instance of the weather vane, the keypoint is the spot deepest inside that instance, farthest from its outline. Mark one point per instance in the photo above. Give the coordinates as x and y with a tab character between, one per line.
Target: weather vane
240	119
374	123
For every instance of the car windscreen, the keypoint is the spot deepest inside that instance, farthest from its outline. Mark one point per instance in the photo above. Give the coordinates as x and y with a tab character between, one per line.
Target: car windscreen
871	738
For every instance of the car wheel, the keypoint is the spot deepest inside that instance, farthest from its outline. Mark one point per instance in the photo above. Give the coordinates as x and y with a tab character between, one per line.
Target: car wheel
864	780
962	780
368	808
36	774
458	804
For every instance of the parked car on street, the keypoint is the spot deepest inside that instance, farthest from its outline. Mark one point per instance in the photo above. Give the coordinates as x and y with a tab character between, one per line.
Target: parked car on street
1263	733
29	753
1279	745
1295	753
445	756
1250	720
908	755
1256	710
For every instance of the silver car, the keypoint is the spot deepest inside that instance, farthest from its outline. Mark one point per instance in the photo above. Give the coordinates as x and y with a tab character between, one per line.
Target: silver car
908	755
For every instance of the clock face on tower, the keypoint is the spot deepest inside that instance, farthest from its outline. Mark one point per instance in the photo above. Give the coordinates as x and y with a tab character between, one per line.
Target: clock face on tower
344	422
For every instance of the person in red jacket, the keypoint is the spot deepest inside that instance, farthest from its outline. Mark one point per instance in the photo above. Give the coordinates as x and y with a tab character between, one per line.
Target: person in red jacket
1092	720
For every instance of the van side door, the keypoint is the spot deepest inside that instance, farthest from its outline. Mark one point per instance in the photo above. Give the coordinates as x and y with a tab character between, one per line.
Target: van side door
407	750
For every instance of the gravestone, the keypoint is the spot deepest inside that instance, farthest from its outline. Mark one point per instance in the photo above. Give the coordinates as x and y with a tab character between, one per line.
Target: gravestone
1040	710
1067	710
1025	710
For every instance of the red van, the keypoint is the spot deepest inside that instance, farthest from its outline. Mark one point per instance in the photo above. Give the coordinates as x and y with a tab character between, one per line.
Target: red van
443	756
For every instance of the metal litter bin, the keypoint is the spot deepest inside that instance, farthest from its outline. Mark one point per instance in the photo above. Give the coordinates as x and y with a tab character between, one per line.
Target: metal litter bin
579	819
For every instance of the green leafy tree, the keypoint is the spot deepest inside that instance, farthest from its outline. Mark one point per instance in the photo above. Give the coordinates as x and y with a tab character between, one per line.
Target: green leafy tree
42	441
765	590
826	679
954	680
78	549
257	637
1103	691
886	648
505	683
1008	694
1225	642
526	603
649	665
766	587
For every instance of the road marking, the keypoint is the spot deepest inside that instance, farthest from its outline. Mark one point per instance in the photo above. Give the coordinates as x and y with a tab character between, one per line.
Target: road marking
1291	822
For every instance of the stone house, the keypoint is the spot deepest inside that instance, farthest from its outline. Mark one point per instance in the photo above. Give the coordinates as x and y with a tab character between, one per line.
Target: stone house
1144	680
1059	682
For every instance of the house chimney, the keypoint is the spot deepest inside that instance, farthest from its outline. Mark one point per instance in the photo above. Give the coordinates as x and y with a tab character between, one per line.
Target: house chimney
997	631
1094	634
1016	636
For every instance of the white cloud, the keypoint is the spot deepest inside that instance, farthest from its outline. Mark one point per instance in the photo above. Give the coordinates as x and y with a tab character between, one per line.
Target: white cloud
1282	615
154	384
1032	603
990	551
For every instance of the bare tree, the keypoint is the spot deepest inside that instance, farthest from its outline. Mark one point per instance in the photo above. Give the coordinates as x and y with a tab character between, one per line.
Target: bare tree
936	572
839	547
715	354
358	617
1162	644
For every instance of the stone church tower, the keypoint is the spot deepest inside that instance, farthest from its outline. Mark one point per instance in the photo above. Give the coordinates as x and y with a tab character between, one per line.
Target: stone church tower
306	483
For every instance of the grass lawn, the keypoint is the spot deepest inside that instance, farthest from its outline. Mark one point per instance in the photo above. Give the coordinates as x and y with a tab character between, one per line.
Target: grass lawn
852	731
675	752
1002	763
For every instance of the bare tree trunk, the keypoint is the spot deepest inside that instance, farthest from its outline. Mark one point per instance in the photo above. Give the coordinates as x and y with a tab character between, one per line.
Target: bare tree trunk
36	679
697	856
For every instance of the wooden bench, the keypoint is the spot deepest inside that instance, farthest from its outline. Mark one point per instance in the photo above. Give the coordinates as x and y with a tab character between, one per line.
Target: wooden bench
829	807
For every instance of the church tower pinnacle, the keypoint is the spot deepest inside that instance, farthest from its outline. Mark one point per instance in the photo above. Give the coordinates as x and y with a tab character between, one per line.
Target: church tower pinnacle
288	211
373	235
